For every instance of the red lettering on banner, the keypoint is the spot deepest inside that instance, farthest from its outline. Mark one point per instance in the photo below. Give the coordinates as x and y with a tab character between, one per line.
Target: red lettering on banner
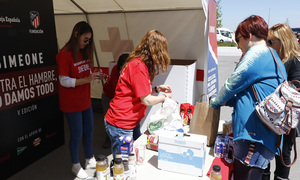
5	158
17	88
51	135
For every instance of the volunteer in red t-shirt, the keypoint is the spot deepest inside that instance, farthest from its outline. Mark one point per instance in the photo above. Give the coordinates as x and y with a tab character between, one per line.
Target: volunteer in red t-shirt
133	92
74	61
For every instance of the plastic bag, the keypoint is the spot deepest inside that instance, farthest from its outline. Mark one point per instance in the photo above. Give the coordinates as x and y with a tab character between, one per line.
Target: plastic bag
166	118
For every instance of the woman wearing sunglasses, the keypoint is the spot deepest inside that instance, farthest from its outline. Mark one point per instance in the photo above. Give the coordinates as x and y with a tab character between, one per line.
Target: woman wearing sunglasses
74	62
254	144
282	39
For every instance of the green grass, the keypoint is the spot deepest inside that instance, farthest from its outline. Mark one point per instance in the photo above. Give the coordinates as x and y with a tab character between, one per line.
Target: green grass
232	44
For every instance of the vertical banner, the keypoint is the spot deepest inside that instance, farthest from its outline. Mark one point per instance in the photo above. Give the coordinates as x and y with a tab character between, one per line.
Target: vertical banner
31	124
212	61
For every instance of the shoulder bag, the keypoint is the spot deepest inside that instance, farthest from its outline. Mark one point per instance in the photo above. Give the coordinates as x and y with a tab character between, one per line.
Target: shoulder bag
280	111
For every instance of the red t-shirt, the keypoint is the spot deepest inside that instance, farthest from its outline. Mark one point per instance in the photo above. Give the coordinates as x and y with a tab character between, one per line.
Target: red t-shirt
126	109
78	98
110	85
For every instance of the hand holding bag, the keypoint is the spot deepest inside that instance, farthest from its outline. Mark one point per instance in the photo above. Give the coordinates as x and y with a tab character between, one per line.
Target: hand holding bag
205	121
280	111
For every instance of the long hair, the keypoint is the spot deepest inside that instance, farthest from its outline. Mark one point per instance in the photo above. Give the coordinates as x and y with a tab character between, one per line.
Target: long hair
289	46
255	25
153	50
73	45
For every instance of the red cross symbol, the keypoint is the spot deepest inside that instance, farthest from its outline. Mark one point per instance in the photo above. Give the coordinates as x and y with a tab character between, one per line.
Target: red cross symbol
115	44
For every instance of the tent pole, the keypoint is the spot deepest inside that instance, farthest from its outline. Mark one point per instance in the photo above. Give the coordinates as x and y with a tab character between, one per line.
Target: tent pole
88	21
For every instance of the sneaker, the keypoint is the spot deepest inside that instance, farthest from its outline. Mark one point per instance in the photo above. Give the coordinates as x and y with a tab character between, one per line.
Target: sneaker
78	171
90	163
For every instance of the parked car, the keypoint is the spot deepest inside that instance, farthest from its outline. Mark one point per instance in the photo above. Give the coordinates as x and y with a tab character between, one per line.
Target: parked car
225	35
296	31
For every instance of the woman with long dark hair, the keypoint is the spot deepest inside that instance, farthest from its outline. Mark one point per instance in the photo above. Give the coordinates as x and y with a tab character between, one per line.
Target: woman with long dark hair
75	61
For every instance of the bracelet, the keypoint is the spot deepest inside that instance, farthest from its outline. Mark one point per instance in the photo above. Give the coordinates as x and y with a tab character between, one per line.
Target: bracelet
155	88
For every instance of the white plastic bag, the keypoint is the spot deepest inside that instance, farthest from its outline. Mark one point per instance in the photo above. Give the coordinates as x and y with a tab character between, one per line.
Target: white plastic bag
166	118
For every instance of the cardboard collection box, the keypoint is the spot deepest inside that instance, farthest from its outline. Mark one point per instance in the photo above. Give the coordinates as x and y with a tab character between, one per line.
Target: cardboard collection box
186	155
181	76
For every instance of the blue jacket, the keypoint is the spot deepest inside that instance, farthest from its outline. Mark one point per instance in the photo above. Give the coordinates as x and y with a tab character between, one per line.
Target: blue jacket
257	67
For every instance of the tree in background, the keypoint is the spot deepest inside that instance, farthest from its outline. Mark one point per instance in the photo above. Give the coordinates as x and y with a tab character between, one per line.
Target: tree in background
287	21
219	14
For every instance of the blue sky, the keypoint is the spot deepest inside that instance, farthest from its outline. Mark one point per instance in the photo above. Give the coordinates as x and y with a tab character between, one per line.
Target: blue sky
273	11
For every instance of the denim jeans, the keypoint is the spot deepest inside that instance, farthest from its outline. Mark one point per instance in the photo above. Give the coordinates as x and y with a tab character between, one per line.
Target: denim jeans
81	124
259	161
114	134
137	132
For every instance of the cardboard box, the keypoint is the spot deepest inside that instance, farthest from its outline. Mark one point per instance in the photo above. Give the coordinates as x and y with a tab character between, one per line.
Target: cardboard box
227	128
181	76
186	155
152	142
125	146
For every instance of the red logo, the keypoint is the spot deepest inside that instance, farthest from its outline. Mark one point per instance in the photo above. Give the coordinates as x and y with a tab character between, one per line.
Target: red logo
35	19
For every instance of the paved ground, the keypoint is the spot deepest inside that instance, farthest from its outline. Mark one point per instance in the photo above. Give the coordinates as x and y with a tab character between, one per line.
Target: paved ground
56	165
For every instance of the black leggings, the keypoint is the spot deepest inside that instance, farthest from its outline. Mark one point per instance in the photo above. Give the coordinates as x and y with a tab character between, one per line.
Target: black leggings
244	172
281	171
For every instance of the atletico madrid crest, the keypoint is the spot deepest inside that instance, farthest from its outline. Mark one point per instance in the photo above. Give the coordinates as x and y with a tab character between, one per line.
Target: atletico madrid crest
35	19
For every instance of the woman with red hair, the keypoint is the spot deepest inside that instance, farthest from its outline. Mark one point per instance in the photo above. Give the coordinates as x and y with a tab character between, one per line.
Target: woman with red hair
133	92
254	144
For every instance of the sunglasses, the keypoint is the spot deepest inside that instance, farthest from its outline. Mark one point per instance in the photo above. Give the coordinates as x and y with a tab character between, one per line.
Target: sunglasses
87	40
271	42
237	40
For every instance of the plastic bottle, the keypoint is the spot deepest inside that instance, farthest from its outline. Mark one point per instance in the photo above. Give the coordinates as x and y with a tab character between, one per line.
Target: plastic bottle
118	169
126	170
132	166
101	168
218	148
118	155
180	133
215	174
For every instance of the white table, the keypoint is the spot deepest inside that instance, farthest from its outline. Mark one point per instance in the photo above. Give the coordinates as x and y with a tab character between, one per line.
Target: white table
149	170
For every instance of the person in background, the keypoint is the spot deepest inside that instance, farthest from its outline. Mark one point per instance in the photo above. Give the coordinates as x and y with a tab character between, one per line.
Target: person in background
109	89
254	144
74	62
282	39
133	92
298	36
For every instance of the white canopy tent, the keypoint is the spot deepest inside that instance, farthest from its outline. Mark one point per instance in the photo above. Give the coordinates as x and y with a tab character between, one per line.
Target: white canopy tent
119	25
